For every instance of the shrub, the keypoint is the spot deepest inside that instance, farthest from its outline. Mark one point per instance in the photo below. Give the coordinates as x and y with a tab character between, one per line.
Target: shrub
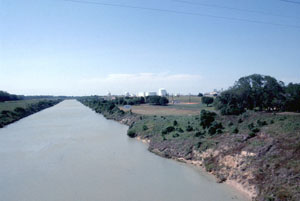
167	130
261	123
131	133
230	124
175	123
255	130
251	126
189	128
175	135
235	130
206	118
145	127
179	130
199	133
252	134
215	128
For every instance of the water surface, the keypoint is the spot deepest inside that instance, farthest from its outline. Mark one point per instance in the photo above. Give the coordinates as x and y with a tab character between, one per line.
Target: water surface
70	153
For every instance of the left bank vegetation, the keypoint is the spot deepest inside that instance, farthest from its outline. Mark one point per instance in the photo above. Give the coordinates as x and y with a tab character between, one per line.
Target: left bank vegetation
15	107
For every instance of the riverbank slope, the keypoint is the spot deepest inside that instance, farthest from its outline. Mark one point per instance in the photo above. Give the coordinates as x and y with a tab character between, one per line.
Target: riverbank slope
257	153
12	111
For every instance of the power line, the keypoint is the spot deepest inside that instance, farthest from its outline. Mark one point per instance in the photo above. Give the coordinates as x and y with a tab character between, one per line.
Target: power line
182	12
289	1
235	9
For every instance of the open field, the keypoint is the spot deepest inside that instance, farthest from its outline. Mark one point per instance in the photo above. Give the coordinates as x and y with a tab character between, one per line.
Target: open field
186	99
176	109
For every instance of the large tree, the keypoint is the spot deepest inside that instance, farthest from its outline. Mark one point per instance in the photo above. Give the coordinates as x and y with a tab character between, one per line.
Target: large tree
252	92
207	100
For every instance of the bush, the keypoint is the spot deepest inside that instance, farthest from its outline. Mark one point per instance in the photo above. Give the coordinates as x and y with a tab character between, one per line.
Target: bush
215	128
255	130
131	133
179	130
189	128
145	127
199	133
252	134
175	123
167	130
261	123
251	126
235	130
206	118
175	135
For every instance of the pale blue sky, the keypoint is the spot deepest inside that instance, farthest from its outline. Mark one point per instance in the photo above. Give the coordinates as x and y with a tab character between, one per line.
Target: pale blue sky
67	48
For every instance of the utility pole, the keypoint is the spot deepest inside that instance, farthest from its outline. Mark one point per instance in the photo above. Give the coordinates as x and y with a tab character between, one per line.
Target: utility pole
173	99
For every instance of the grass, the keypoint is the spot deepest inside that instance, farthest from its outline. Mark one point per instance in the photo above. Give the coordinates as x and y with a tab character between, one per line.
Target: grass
273	124
11	105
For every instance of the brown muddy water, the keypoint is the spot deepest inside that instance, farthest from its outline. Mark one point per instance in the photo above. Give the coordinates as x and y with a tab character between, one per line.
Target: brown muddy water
70	153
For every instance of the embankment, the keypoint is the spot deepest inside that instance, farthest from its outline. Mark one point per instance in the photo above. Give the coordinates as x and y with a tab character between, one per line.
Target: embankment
14	111
265	165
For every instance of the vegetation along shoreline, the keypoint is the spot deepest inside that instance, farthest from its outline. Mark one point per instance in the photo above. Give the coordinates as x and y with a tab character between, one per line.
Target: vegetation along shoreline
251	141
14	108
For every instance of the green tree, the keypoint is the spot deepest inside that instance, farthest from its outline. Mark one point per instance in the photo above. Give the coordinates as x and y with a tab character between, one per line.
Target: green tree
252	92
207	100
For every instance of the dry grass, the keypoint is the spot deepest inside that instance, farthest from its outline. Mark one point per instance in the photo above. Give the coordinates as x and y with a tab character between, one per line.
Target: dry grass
186	99
188	105
177	109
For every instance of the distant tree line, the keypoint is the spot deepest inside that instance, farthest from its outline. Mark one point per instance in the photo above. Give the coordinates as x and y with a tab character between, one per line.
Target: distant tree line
259	92
152	100
4	96
129	100
157	100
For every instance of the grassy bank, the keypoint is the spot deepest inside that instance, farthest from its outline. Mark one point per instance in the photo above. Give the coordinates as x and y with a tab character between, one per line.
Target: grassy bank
261	151
11	111
258	151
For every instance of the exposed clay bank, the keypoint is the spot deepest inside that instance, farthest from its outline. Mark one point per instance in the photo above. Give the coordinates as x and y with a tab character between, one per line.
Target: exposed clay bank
68	152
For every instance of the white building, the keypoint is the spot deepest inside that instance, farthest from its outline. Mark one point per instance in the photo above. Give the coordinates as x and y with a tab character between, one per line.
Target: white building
141	94
151	94
162	92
